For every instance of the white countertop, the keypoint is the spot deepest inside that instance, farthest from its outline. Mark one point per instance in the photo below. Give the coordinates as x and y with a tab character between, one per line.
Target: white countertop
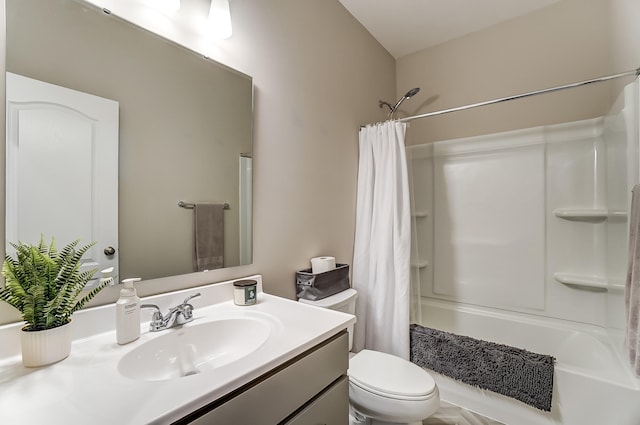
87	386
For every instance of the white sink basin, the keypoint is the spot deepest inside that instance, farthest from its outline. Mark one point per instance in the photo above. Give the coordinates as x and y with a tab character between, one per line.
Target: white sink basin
195	349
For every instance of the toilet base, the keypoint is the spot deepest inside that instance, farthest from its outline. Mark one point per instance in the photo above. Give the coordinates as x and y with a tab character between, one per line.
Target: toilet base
356	418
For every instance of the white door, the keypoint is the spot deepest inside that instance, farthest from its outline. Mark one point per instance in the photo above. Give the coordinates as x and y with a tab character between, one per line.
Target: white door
62	168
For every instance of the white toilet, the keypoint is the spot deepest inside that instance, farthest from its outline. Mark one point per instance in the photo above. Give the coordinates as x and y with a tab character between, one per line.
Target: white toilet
383	389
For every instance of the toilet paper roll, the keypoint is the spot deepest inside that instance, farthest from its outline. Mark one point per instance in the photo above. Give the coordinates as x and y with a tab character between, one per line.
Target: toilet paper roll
322	264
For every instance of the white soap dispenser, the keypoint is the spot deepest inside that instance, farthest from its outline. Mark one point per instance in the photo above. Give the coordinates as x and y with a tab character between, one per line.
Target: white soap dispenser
128	313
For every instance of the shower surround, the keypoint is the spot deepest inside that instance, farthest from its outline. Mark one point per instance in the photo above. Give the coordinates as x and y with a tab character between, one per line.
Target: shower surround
520	238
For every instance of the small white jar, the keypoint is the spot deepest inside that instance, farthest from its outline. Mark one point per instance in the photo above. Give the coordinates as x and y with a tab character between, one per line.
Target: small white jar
245	292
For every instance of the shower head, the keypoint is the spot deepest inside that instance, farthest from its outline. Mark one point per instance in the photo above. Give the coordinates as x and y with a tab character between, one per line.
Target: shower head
394	108
407	95
412	92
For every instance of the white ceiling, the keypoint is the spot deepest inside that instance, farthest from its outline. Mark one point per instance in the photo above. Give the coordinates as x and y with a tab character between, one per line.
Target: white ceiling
408	26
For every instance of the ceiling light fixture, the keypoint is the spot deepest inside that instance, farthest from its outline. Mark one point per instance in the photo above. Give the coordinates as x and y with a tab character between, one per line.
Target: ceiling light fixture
220	19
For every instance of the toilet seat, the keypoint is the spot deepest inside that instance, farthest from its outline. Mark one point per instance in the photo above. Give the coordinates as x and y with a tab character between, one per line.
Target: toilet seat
390	376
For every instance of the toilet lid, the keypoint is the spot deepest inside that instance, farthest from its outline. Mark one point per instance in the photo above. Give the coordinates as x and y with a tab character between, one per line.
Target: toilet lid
389	375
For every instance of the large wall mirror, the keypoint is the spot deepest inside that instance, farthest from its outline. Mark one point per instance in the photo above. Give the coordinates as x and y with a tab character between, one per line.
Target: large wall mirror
184	133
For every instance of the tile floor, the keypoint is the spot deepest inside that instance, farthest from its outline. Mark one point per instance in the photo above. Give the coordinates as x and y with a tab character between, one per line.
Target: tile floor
449	414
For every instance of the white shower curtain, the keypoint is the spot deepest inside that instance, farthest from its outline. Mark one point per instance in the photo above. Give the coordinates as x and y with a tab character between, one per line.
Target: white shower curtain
381	259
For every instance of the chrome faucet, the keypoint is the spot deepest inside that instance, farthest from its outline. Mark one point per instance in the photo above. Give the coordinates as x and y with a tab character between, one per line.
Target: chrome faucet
178	315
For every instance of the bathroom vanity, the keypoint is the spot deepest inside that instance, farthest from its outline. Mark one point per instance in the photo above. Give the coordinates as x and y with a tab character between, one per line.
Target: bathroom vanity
310	389
277	361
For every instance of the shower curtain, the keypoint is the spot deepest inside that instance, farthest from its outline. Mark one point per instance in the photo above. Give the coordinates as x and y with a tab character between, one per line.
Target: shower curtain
381	259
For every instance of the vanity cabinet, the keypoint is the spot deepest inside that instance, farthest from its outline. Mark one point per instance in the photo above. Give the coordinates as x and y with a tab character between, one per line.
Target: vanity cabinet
326	408
310	389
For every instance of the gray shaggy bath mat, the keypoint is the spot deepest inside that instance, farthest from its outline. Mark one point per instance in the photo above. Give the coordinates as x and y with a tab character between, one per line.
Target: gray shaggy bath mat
509	371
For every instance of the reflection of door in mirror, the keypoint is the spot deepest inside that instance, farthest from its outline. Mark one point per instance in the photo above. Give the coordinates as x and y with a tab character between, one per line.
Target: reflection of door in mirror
62	147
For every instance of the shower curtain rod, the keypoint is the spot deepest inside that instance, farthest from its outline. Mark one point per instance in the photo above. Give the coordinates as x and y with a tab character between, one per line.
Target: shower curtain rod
635	72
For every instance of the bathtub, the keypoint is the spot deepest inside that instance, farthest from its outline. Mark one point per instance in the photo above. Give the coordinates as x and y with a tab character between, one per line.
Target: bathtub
592	385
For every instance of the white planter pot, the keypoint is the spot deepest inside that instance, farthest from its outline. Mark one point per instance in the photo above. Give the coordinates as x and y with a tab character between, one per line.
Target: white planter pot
40	348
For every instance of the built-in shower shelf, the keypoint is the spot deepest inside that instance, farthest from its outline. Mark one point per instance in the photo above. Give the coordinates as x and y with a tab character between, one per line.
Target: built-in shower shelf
420	214
616	287
420	264
616	213
588	213
582	281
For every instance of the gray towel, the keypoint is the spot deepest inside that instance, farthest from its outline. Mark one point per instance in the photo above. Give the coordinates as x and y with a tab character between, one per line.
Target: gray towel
209	236
510	371
632	286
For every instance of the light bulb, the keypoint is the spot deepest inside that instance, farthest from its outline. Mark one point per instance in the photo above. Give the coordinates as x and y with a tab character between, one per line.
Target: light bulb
220	19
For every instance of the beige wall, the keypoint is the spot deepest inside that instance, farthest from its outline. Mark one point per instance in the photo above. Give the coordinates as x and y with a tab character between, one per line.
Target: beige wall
318	75
564	43
625	31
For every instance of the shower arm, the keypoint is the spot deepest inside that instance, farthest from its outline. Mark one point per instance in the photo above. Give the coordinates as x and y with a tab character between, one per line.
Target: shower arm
382	103
392	108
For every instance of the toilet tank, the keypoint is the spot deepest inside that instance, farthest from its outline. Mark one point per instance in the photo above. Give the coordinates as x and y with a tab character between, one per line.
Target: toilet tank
344	301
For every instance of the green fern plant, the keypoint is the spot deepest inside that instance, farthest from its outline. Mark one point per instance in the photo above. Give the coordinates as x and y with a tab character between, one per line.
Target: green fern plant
44	284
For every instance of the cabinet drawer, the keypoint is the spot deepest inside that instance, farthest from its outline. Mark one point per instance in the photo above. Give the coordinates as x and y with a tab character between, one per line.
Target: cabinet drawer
329	408
272	398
